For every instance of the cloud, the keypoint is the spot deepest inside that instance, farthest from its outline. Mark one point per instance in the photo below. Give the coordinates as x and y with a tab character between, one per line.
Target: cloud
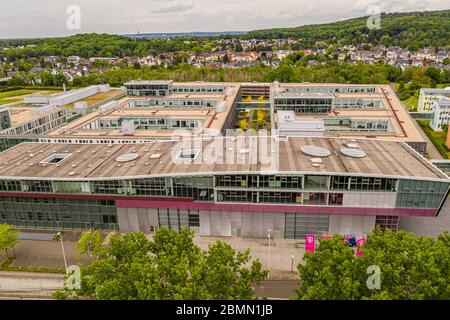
32	18
174	8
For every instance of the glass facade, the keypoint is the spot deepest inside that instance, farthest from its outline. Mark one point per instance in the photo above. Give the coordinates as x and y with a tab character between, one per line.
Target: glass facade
363	183
304	105
139	90
298	225
387	222
352	103
320	190
176	219
56	213
421	194
330	89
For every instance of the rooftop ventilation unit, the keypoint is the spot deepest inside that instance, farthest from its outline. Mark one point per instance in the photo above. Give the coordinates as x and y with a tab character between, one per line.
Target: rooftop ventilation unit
127	127
354	153
351	145
221	106
314	151
108	106
316	160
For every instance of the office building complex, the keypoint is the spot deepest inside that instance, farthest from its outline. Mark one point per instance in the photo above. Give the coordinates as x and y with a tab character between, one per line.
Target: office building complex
320	185
428	95
337	159
441	114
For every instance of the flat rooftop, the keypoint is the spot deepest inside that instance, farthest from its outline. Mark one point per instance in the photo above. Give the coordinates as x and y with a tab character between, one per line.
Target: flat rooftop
148	82
99	161
402	126
24	114
97	98
211	118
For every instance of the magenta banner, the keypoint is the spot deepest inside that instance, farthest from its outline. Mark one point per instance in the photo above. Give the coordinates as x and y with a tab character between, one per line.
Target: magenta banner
310	243
327	236
359	244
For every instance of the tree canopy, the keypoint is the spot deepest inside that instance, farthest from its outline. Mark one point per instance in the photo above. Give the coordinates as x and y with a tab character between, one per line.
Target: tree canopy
8	237
412	267
170	266
409	30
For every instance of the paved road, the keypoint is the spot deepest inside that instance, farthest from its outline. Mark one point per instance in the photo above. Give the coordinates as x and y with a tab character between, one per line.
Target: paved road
27	285
276	289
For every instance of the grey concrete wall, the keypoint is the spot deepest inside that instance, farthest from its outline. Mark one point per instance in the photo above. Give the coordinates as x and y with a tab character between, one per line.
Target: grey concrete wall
370	199
244	224
349	224
426	226
137	219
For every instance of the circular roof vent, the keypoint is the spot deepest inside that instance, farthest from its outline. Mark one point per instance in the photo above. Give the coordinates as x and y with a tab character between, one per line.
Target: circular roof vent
127	157
354	153
315	151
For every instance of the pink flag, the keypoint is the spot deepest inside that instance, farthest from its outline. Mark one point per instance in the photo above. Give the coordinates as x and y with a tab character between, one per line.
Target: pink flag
310	243
359	244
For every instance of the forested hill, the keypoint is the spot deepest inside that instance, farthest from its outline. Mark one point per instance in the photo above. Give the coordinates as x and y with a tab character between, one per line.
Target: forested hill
409	30
421	29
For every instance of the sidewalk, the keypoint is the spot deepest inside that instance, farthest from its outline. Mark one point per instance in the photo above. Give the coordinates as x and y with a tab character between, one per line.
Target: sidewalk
48	253
281	253
44	254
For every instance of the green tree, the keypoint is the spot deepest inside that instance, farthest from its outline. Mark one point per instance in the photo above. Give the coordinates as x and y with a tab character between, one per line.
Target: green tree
170	266
412	267
8	237
329	273
90	243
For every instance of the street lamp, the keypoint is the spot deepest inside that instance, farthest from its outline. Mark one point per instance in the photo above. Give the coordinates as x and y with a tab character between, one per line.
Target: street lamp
268	255
59	234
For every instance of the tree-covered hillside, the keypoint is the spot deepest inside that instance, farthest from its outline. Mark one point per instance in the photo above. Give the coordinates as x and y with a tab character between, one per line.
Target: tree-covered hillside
409	30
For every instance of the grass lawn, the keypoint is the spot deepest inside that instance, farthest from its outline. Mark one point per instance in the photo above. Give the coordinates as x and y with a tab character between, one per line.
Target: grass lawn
96	98
6	101
17	95
411	103
437	137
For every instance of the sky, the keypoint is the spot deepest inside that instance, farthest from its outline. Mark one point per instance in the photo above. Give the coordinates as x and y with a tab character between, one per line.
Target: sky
51	18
